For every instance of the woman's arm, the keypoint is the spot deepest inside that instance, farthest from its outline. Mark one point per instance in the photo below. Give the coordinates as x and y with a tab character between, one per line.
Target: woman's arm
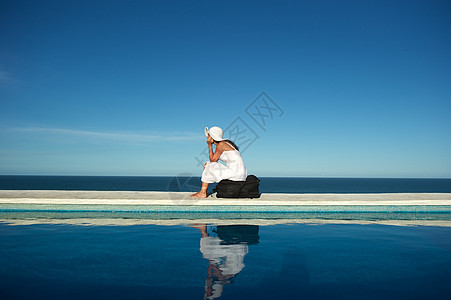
215	156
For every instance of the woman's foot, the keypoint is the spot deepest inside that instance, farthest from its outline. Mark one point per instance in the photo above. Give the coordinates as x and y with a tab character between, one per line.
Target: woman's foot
200	194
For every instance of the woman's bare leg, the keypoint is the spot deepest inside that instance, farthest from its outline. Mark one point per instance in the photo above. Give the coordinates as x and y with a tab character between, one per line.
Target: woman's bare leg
203	191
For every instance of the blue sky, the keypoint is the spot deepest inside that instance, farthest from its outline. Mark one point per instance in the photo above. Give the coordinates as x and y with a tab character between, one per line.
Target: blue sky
126	87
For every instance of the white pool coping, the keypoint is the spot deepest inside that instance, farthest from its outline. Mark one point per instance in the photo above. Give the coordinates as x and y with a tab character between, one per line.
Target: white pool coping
153	198
188	222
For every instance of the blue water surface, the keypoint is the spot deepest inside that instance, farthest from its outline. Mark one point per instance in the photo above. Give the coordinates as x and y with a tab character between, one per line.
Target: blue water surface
297	261
193	183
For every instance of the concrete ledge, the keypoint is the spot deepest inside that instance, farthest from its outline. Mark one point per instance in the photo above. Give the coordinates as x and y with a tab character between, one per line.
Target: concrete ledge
177	199
170	202
175	222
170	208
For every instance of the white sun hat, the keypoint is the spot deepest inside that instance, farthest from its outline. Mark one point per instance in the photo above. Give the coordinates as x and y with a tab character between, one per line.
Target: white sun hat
215	132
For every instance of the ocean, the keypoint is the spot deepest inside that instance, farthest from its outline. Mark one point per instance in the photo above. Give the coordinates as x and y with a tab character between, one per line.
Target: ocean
193	183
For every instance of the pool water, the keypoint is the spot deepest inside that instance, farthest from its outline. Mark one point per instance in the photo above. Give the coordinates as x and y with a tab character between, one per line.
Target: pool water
205	261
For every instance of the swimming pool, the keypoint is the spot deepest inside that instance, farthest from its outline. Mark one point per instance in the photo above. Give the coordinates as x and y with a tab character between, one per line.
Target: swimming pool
135	259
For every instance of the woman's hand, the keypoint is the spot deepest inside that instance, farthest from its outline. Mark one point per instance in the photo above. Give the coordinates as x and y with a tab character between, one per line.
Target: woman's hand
210	140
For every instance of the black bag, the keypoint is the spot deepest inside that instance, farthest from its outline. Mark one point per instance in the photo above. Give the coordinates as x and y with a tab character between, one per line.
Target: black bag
227	188
251	187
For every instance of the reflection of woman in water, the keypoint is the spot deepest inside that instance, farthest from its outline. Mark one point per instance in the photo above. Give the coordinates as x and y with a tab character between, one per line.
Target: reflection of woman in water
225	258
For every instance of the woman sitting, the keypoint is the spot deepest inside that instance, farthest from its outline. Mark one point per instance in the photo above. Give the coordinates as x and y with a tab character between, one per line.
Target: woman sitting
226	151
